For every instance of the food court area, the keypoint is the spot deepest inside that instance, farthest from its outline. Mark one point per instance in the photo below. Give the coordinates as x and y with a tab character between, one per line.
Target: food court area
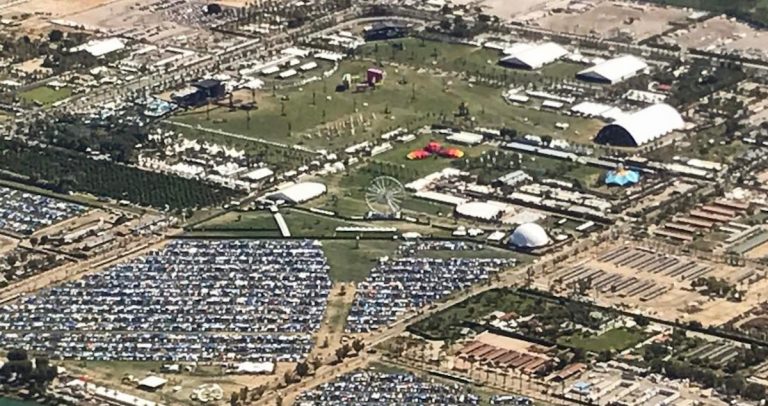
252	292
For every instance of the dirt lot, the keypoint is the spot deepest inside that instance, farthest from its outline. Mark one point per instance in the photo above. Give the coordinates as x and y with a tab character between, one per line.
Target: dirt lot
758	252
608	19
720	33
7	244
506	9
44	10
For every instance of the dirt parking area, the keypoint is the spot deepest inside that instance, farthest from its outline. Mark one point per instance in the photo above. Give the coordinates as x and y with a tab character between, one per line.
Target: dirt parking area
609	19
722	34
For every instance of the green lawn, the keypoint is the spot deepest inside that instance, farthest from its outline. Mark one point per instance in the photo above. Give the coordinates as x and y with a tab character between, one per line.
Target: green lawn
45	95
320	118
458	58
352	261
618	339
252	220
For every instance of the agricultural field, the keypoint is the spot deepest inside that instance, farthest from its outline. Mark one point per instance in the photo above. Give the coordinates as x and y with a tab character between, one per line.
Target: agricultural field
45	96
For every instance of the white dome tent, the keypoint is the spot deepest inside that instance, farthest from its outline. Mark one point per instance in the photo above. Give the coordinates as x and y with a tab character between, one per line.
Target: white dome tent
529	236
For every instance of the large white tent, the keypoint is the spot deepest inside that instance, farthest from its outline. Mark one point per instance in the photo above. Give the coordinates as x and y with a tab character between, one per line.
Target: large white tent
614	70
299	192
529	236
479	210
533	56
641	127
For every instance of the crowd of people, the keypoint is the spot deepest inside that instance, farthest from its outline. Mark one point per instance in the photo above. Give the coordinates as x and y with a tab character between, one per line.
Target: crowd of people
378	388
402	284
193	287
24	213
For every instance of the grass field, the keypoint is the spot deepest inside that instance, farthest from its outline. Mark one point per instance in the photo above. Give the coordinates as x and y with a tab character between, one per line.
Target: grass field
459	58
352	261
318	117
618	339
45	95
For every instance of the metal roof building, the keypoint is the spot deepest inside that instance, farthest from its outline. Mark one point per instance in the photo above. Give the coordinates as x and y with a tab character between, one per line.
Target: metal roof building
641	127
533	56
614	70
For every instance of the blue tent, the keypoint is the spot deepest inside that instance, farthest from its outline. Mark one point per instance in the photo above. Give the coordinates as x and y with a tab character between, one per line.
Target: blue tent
621	177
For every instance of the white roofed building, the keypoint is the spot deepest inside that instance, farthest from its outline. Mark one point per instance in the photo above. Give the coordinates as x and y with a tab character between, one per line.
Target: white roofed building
641	127
534	56
480	210
529	236
299	192
101	47
614	70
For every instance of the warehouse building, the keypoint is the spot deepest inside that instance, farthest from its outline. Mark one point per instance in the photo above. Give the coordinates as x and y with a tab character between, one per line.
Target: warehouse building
385	30
641	127
532	56
614	70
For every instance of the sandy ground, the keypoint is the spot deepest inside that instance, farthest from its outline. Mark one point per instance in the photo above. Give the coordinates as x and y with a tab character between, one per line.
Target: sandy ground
679	302
44	10
721	34
7	244
758	252
607	19
506	9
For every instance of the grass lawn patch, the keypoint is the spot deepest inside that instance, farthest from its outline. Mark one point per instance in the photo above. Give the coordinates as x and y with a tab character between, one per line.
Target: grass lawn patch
618	339
236	220
352	261
318	117
45	95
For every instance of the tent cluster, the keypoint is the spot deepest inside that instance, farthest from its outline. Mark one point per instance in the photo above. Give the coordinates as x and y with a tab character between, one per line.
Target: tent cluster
402	284
196	287
163	346
435	149
25	213
367	387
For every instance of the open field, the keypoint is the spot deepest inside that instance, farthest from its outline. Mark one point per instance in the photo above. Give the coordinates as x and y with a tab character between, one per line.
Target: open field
719	33
45	95
608	19
42	11
352	261
506	9
318	117
469	59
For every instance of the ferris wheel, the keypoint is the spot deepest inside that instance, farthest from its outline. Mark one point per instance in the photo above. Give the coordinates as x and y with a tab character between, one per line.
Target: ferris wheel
384	195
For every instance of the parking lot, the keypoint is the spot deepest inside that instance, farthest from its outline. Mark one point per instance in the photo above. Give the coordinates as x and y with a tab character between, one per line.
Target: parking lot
170	303
24	213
